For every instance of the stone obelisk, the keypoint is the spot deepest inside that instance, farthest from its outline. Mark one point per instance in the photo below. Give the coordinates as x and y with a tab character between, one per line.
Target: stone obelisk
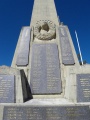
45	80
44	51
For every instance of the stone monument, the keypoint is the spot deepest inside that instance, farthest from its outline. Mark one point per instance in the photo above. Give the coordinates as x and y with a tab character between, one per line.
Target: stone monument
45	80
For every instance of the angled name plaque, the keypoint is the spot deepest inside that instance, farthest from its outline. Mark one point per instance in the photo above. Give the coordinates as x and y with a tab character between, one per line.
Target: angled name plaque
23	51
66	51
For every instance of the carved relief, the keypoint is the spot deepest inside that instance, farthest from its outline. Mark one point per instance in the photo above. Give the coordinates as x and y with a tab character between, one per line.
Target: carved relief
45	30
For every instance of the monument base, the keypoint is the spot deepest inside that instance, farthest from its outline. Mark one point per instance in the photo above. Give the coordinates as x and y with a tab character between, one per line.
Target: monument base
45	109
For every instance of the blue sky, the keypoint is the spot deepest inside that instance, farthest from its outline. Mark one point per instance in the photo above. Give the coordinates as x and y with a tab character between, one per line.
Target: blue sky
17	13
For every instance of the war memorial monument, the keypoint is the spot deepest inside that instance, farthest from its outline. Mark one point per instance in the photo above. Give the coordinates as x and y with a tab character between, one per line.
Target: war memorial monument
45	80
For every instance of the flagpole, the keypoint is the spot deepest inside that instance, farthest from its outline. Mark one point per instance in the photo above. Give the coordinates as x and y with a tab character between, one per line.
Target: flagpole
79	47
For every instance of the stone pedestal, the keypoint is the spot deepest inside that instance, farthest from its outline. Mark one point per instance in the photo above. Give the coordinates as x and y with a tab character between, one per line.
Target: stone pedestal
45	80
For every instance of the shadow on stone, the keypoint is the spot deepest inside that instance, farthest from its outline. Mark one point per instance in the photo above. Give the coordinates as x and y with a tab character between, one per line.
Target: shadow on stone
27	95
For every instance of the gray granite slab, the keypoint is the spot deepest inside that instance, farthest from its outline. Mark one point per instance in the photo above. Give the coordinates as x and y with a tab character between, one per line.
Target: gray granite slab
83	88
23	51
46	113
7	89
66	51
45	69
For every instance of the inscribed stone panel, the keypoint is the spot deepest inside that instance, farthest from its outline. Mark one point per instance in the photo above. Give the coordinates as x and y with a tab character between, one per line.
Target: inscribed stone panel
83	87
23	51
46	113
66	51
7	89
45	69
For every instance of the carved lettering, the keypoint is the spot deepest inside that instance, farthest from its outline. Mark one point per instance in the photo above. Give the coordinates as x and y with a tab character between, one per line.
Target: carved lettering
46	113
45	71
83	87
7	89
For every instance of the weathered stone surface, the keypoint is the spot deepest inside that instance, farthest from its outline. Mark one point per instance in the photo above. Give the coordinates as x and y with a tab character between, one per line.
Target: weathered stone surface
44	10
5	70
83	88
45	69
7	89
46	113
23	52
45	25
66	51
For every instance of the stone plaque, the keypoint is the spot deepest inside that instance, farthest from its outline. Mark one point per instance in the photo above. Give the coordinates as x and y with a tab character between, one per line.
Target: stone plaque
45	69
7	89
46	113
83	88
23	51
66	51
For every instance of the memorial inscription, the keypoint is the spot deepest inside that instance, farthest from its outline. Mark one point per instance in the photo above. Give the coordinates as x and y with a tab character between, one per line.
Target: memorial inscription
23	52
46	113
66	51
7	89
45	70
83	88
